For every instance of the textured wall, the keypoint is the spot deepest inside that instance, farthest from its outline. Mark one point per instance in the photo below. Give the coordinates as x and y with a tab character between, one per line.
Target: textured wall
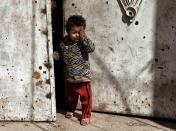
26	78
134	63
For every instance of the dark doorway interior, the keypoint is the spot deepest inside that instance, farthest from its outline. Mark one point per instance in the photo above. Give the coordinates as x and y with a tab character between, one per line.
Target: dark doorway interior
57	23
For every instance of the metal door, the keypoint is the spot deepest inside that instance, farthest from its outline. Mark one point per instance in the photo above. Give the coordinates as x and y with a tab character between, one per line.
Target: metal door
27	89
134	61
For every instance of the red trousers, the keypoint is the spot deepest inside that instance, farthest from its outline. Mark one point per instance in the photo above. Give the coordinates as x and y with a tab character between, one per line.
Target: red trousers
84	90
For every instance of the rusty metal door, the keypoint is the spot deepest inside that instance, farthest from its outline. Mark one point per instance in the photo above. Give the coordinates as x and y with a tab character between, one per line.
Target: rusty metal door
134	61
27	89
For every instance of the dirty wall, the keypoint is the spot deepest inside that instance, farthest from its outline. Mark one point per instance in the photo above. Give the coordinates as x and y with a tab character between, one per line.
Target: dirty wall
26	65
134	62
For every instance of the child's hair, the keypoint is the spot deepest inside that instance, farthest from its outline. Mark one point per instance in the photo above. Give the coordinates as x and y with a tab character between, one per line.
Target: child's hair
75	20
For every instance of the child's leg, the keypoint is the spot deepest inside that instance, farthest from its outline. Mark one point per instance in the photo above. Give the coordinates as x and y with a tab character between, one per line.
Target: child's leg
71	97
85	93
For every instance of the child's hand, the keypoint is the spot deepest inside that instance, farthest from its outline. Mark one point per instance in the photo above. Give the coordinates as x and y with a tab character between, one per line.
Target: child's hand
82	33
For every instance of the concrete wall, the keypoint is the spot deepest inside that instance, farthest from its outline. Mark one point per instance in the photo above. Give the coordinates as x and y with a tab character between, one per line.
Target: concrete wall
134	63
26	64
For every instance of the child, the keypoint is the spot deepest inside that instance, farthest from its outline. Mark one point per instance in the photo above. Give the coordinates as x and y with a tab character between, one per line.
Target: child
74	49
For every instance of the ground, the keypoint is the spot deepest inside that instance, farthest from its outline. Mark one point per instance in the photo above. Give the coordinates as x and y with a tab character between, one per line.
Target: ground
100	122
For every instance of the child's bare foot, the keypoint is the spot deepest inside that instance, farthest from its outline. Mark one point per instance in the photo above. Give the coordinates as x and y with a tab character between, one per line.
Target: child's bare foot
69	115
85	121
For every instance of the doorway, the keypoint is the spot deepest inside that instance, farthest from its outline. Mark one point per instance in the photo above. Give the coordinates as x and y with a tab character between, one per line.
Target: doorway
57	25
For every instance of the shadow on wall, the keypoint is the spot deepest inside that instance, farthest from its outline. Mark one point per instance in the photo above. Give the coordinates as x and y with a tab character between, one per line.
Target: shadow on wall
114	83
57	23
165	60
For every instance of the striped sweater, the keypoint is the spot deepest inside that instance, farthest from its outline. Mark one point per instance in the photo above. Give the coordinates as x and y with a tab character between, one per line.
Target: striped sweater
76	59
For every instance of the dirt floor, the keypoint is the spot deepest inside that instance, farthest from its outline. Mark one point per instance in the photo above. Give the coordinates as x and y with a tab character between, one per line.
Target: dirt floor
100	122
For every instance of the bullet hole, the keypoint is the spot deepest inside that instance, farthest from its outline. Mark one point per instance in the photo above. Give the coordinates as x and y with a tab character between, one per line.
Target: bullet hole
171	100
43	11
21	79
111	49
75	7
160	67
6	38
137	23
44	72
162	49
107	2
7	69
36	2
45	32
156	60
48	81
168	48
27	44
73	4
40	67
172	27
172	81
128	110
48	65
142	102
122	38
48	95
22	119
2	107
26	96
38	29
144	37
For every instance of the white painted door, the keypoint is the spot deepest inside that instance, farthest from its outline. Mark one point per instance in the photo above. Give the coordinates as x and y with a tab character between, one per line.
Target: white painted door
134	61
26	65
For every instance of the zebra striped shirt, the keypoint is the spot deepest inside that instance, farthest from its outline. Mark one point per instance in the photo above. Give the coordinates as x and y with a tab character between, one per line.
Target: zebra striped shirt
76	59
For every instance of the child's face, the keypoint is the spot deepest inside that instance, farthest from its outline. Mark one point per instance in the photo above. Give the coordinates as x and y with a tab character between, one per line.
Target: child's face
74	33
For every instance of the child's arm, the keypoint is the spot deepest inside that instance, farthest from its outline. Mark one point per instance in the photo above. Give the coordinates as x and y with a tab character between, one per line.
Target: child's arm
87	43
57	52
56	55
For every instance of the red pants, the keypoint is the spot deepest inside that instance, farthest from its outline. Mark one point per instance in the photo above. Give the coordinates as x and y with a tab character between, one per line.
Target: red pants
73	91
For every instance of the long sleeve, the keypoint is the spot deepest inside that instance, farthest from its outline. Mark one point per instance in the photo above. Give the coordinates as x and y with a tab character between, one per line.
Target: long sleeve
88	45
57	53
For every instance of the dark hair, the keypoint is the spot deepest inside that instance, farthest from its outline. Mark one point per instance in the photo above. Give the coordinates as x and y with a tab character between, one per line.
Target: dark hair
75	20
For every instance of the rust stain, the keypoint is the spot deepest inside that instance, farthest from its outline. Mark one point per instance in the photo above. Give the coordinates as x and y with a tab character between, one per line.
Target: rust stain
39	82
48	95
102	107
36	75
